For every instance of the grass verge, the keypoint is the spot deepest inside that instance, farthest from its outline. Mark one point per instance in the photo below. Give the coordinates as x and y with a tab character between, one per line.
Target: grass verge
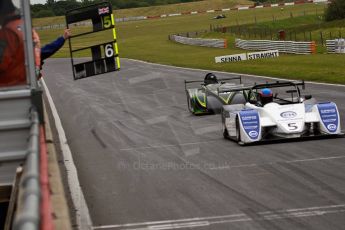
148	41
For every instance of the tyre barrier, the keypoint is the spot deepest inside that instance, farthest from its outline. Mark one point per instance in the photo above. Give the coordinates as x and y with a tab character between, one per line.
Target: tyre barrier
290	47
214	43
336	46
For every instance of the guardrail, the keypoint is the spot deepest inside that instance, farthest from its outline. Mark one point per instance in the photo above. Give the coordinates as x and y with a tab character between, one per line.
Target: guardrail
28	206
290	47
215	43
336	46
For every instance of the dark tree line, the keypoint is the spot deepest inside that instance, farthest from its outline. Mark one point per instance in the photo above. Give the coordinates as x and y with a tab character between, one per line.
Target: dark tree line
57	8
336	10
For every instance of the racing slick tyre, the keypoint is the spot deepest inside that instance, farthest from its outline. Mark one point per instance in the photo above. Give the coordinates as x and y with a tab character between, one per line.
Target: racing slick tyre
189	104
238	131
225	131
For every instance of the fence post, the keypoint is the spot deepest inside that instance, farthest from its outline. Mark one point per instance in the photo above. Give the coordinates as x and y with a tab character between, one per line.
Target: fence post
310	36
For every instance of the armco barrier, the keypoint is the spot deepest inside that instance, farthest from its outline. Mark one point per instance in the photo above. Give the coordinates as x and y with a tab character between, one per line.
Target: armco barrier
28	208
290	47
216	43
336	46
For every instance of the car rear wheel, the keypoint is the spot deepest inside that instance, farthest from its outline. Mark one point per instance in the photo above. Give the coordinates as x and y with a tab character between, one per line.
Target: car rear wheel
225	132
189	104
238	131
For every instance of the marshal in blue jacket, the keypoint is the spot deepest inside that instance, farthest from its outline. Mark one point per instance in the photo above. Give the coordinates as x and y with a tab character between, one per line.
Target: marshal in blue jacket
51	48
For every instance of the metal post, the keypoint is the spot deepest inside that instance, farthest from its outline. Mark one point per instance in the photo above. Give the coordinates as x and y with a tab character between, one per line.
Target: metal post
28	42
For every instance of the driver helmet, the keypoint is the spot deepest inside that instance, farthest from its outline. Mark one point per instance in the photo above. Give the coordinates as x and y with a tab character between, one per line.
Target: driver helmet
210	78
266	96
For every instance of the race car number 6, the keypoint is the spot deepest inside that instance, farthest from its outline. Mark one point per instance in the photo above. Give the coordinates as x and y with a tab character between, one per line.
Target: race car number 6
109	51
292	126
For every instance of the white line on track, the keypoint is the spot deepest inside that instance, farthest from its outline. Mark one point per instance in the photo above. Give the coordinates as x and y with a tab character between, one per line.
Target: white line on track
277	162
239	217
82	212
222	72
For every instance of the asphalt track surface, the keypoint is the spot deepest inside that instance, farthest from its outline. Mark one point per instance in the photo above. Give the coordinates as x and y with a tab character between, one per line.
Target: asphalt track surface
144	162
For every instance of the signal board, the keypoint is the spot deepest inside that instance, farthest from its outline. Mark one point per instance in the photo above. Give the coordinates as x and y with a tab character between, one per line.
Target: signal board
100	41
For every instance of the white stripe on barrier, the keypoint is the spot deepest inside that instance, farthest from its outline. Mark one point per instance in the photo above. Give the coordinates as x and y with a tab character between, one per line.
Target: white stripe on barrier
210	11
194	12
173	15
274	5
228	9
243	8
258	7
216	43
282	46
289	3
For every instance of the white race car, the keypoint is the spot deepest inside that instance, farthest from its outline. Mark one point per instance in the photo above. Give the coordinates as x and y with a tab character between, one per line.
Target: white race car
277	111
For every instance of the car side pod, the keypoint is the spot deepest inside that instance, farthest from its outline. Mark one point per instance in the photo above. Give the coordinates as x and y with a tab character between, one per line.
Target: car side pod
329	118
249	126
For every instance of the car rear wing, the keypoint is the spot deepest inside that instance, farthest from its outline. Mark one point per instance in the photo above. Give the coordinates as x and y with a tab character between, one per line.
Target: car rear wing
219	80
279	84
256	86
235	88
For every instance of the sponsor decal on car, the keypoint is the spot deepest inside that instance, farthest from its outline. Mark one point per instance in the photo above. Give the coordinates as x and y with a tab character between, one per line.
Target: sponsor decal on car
329	116
251	123
288	114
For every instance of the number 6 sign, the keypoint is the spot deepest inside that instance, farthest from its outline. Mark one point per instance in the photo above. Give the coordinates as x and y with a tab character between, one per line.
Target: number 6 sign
104	51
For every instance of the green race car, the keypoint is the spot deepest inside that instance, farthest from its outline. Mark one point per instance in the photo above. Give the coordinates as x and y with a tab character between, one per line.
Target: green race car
209	98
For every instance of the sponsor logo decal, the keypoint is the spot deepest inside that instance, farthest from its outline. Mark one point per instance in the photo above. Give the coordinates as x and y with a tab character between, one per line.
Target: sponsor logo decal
332	127
288	114
253	134
329	116
251	123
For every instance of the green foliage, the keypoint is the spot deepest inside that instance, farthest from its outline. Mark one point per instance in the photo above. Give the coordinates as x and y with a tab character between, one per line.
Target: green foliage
44	13
336	10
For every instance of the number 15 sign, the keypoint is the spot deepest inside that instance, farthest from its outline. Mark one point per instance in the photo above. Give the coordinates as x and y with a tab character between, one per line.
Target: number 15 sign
94	37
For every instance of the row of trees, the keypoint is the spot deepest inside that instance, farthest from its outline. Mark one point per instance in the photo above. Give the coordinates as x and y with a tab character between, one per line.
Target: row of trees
57	8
